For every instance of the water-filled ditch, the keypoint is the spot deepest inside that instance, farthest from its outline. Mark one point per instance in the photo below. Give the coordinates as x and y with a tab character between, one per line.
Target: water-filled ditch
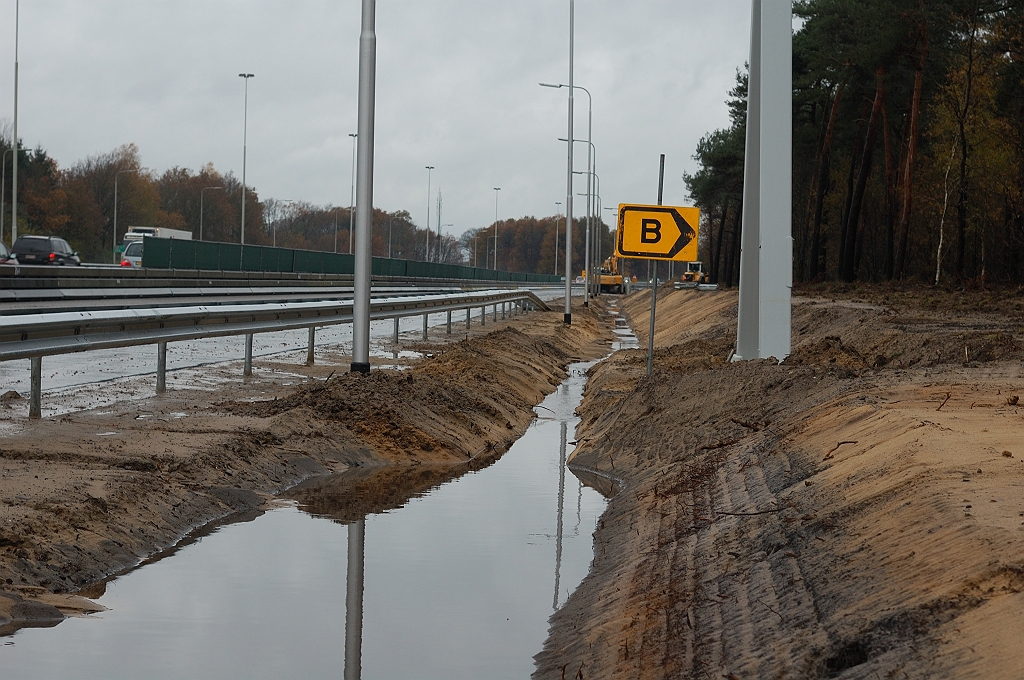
459	577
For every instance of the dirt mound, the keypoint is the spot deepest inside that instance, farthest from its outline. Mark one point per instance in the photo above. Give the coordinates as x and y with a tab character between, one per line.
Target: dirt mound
847	513
483	387
828	351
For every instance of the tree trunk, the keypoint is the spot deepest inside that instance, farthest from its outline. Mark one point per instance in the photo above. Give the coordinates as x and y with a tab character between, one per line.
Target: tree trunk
822	185
908	170
961	194
890	200
850	179
848	271
716	267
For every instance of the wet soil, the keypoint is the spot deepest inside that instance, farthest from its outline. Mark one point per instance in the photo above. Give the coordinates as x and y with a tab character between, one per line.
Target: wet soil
855	512
93	493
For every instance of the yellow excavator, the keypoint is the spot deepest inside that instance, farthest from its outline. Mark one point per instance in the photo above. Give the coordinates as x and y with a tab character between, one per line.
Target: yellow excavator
609	276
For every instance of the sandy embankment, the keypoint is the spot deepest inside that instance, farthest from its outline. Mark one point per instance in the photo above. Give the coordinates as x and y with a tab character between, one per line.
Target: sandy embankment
93	493
857	512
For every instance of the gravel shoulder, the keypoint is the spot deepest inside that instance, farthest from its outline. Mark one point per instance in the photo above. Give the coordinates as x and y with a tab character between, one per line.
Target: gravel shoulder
855	512
93	493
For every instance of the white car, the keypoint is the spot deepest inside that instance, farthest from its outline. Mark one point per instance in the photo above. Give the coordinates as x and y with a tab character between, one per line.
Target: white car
132	256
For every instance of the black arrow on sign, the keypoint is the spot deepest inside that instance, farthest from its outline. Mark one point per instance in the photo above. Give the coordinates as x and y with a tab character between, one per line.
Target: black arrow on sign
686	232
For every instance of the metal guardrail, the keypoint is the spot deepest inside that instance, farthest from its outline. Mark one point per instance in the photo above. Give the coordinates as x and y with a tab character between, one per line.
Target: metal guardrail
34	336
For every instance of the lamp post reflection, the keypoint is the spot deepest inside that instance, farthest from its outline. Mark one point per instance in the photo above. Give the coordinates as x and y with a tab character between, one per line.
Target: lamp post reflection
561	506
354	600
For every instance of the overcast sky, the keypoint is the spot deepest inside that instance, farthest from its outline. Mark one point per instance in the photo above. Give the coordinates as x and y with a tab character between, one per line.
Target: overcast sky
457	88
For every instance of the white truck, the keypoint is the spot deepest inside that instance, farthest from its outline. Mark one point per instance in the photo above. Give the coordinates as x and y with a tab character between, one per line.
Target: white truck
132	256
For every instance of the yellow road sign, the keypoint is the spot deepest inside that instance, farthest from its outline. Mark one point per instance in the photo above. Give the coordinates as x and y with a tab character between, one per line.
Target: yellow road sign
657	232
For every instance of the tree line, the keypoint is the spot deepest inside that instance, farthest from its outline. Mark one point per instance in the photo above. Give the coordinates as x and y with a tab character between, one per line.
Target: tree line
533	245
78	204
908	145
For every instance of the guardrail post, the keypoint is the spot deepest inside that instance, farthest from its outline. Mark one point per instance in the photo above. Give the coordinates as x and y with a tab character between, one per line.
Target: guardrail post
469	317
449	322
483	316
309	348
426	317
247	371
35	401
495	312
161	367
503	305
397	319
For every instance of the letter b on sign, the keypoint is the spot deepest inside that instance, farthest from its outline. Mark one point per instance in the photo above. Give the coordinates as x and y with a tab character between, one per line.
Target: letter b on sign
650	231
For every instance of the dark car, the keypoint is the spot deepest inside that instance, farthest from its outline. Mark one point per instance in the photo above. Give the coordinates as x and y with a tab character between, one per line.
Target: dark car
5	255
44	250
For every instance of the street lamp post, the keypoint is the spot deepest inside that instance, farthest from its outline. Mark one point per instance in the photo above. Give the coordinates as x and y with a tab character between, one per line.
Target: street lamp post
426	253
201	192
591	159
362	261
352	204
113	251
496	190
245	139
391	228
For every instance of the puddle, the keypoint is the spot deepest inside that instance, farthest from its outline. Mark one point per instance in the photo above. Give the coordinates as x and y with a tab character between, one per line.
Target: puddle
454	577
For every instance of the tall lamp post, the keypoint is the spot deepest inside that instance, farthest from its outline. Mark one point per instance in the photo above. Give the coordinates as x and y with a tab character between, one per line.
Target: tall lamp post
113	251
426	253
245	138
590	168
201	196
496	190
351	206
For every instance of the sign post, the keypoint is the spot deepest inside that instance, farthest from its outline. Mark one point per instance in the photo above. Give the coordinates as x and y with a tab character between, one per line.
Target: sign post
657	232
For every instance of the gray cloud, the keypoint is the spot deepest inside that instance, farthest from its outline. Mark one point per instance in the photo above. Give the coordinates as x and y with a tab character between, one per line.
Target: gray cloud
456	89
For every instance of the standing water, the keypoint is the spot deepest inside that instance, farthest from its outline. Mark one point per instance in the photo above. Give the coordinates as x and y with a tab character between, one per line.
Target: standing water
457	582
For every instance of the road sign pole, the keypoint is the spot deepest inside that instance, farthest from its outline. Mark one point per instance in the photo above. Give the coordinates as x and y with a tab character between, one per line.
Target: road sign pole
654	283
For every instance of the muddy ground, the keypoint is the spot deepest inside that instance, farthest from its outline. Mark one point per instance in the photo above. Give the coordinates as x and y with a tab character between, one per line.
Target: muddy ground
93	493
855	512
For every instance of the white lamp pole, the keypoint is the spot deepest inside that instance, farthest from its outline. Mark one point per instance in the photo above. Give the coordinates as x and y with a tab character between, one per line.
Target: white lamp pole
245	137
567	317
364	210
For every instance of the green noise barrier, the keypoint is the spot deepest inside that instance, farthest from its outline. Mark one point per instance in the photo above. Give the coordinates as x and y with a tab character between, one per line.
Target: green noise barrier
163	253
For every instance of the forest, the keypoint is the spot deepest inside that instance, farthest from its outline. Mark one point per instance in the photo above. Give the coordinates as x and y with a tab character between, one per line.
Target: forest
908	147
77	204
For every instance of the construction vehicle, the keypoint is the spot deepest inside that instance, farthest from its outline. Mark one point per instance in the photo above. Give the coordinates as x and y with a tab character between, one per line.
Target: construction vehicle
694	275
610	277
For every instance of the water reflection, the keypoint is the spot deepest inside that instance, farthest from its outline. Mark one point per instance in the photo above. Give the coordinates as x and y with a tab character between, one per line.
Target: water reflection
561	503
354	600
447	578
